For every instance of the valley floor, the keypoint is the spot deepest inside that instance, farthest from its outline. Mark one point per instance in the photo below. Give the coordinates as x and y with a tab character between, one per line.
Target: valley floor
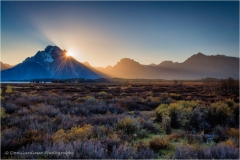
116	120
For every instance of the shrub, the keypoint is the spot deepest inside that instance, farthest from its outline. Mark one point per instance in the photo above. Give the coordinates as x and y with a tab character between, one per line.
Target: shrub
158	144
175	95
10	107
10	138
94	107
219	151
235	110
89	150
123	151
228	143
174	112
110	143
160	111
9	89
103	94
31	136
142	134
194	138
233	132
23	111
23	101
198	119
166	122
3	114
165	98
80	133
99	131
230	102
60	136
108	120
220	113
150	93
142	145
44	109
186	152
128	125
150	126
176	136
144	154
221	132
87	98
182	115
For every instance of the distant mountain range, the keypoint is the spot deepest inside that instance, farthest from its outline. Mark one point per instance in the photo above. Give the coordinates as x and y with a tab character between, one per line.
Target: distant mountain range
196	67
53	63
5	66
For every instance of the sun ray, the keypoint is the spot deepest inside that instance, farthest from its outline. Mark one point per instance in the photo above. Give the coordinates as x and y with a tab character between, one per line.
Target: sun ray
66	64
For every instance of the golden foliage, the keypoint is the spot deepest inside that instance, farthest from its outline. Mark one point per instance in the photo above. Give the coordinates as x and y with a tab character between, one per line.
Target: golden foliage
9	89
82	99
228	143
233	133
76	133
80	133
3	114
103	94
60	136
127	125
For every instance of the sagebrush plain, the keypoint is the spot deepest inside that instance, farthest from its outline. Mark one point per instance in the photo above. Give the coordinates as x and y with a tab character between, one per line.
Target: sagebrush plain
121	119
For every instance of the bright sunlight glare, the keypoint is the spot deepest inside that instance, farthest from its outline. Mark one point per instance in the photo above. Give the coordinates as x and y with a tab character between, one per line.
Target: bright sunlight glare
70	53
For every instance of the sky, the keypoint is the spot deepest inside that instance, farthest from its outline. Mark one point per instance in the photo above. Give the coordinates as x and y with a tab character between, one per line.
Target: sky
102	33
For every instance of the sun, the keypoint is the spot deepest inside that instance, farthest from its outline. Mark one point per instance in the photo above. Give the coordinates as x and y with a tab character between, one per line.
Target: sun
70	53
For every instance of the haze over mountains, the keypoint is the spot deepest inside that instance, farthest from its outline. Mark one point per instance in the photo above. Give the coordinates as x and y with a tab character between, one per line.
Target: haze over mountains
53	63
196	67
5	66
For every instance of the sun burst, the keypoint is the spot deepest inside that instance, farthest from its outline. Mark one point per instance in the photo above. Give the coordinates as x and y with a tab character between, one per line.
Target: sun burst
70	53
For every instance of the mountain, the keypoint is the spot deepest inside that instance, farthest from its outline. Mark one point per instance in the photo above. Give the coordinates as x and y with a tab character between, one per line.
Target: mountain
125	68
217	66
152	64
104	70
101	74
195	67
50	63
5	66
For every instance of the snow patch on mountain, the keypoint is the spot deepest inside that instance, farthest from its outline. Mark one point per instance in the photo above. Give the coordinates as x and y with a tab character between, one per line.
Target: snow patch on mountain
47	57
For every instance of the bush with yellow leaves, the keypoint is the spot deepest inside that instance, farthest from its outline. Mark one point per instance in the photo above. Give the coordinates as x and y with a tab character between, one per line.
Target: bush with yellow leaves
3	114
9	89
128	125
80	133
76	133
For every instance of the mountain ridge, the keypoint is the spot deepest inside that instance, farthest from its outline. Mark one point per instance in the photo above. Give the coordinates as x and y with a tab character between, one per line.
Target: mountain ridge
196	66
53	62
